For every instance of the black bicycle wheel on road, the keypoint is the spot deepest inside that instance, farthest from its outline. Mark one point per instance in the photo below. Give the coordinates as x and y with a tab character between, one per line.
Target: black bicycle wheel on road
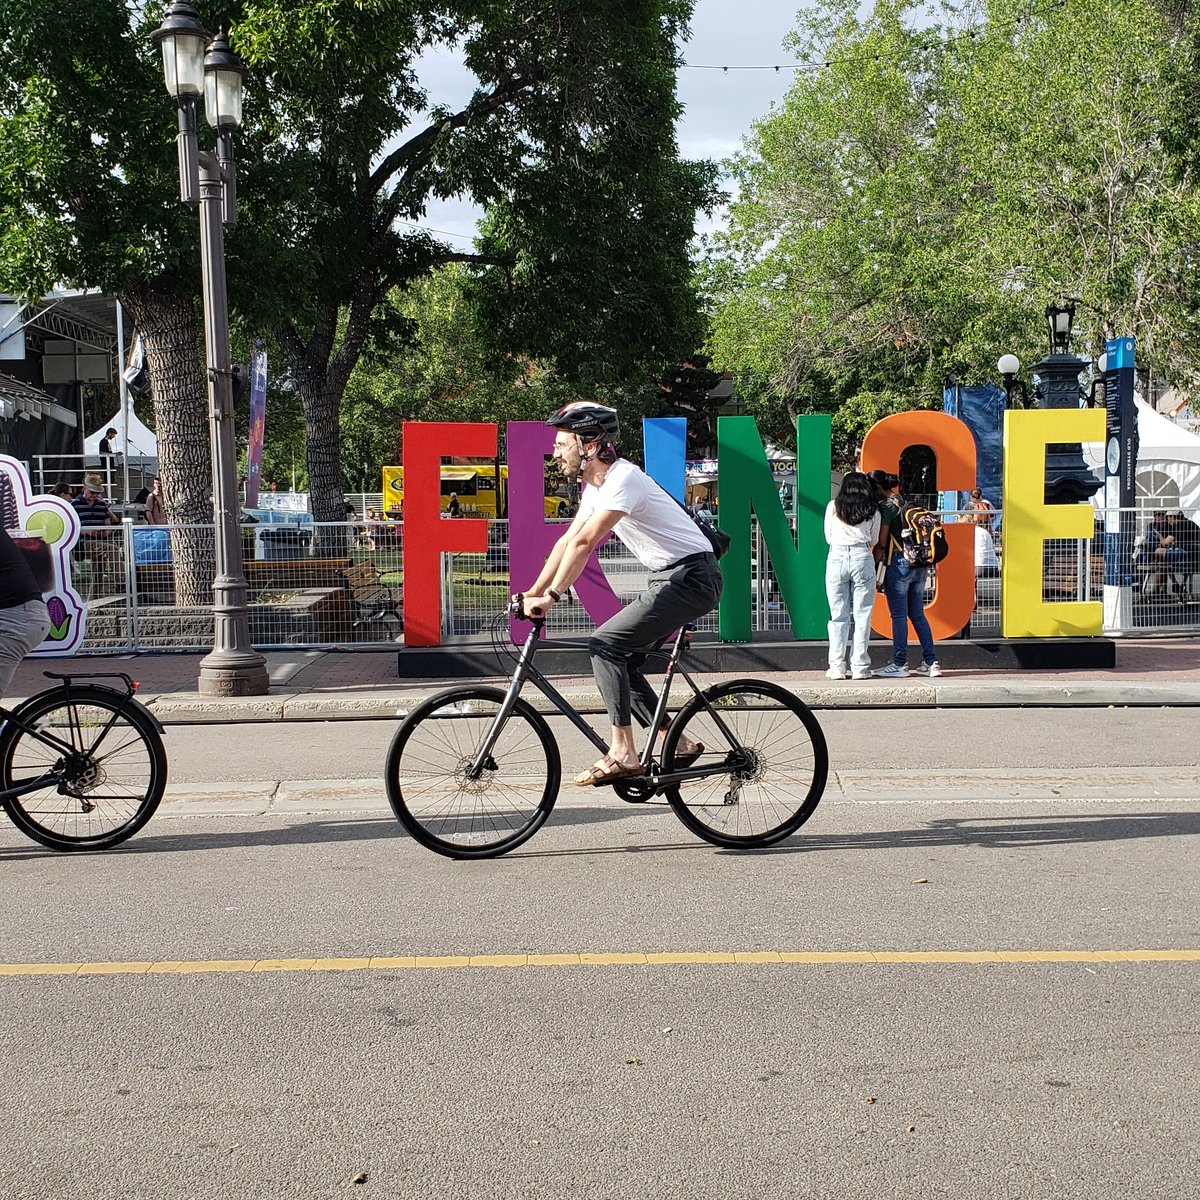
428	783
765	795
100	791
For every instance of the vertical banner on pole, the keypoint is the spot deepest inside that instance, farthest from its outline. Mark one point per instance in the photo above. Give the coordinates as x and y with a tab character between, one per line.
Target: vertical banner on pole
1120	467
665	442
258	423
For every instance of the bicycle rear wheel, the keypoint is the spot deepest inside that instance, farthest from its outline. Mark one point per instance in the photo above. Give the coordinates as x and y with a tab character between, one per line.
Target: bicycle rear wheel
100	791
428	782
767	792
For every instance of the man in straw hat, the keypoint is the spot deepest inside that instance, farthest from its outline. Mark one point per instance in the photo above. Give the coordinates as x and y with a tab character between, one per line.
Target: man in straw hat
97	544
90	504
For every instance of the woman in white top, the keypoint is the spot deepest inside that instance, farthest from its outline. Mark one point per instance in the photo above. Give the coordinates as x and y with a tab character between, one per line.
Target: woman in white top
852	530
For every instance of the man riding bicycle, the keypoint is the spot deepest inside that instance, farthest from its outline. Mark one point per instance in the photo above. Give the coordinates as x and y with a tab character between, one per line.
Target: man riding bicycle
685	581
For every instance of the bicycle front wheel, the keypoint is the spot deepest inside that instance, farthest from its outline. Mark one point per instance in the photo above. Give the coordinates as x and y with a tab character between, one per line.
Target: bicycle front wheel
774	759
102	760
431	789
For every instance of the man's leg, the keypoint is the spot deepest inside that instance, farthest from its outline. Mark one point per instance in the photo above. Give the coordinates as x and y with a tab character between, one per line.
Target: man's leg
21	629
671	600
642	697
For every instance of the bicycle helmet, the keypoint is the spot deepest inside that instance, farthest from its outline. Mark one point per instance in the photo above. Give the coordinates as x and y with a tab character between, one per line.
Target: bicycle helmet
592	422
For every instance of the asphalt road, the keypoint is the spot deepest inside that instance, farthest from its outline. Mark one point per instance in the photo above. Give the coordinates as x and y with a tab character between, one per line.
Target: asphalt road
859	739
197	1075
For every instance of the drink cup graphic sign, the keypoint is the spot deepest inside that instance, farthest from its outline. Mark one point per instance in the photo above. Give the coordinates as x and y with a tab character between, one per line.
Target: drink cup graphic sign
36	550
45	529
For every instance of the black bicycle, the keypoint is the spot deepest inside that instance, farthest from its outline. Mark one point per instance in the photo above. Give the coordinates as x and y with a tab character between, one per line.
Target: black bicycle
474	771
82	765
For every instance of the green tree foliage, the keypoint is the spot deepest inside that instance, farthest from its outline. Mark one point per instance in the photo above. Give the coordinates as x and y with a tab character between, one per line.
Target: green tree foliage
912	207
439	369
89	198
567	140
683	391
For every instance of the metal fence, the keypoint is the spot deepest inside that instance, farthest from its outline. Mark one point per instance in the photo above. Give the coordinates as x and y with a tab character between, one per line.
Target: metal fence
341	585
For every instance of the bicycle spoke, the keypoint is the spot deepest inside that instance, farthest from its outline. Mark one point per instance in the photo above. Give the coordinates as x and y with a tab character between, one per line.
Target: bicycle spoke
776	764
429	774
101	768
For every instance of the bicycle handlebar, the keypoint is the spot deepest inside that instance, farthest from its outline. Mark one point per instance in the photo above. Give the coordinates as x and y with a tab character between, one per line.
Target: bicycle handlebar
516	608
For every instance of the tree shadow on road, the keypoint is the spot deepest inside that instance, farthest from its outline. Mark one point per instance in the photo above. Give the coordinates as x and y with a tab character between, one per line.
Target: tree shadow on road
297	829
985	833
989	833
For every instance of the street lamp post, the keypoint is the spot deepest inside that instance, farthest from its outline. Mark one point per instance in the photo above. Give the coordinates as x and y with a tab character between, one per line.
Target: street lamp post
194	64
1068	479
1008	365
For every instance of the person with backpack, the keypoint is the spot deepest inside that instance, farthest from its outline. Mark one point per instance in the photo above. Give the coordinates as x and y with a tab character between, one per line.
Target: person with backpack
852	524
911	542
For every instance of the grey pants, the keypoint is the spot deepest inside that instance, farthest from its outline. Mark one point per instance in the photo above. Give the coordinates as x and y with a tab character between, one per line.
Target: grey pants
620	646
22	627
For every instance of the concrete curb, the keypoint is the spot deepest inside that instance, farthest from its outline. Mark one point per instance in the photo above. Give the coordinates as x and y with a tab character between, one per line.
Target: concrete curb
188	708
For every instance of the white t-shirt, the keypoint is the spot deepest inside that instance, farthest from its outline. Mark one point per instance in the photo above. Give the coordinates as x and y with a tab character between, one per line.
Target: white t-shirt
654	527
985	548
838	533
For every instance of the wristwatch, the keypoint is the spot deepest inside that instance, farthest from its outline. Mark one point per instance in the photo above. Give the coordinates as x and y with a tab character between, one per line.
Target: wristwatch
555	596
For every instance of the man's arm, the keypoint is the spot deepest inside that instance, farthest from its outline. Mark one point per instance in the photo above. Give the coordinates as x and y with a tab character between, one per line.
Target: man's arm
570	555
546	576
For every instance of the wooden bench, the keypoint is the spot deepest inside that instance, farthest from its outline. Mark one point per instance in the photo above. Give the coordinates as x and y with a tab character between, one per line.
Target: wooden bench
375	603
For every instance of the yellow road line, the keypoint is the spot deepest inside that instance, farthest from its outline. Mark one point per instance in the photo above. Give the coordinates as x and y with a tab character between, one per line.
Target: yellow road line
605	959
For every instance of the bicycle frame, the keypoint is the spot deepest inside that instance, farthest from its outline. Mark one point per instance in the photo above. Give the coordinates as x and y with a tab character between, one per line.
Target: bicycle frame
525	671
13	717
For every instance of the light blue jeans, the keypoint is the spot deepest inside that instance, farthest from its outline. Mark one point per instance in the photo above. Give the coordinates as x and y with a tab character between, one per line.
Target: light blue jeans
850	587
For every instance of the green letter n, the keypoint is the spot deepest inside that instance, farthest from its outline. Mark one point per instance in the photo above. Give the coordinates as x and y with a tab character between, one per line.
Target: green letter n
745	486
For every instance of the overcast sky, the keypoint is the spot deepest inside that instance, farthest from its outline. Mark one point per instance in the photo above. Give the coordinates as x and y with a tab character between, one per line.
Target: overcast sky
718	108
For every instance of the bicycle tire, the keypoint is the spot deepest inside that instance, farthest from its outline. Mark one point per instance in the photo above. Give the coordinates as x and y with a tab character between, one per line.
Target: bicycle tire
788	755
111	786
461	818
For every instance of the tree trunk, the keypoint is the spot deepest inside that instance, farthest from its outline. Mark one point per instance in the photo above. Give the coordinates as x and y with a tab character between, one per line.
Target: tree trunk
321	376
169	329
322	414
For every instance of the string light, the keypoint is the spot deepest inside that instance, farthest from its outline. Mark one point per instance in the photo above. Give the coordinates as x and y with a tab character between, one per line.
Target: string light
1013	23
466	237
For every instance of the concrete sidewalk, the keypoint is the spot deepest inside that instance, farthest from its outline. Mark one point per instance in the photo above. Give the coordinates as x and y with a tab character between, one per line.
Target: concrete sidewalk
345	684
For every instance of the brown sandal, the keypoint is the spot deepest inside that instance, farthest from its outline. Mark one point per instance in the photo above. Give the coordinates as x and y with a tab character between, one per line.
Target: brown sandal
607	770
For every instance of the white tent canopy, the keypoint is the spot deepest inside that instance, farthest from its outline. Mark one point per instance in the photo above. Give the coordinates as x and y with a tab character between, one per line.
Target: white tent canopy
141	442
1168	466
